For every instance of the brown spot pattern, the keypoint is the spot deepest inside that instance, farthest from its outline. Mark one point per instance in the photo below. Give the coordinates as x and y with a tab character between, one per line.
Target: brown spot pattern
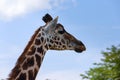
22	76
28	63
42	39
46	46
35	72
40	49
38	60
37	42
30	75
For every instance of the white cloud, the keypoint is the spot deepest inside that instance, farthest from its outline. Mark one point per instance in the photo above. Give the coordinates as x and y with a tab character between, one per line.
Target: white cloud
13	8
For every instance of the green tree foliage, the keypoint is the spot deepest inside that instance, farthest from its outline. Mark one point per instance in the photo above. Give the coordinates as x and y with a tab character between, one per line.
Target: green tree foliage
108	68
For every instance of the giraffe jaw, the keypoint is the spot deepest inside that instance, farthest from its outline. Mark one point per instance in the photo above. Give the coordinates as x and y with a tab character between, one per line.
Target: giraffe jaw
79	51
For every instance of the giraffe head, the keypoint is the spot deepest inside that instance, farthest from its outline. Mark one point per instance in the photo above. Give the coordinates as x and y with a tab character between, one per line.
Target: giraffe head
57	38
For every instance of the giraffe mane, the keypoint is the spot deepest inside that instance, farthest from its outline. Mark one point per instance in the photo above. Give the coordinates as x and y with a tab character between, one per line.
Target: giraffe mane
30	42
47	18
21	58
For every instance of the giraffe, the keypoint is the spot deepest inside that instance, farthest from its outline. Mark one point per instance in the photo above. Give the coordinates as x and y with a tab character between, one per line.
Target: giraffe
51	36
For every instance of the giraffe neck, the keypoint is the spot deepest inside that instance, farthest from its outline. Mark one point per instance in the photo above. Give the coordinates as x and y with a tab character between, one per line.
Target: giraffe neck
30	61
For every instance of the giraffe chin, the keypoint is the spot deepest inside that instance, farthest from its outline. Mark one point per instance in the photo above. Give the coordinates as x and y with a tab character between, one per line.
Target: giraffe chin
78	50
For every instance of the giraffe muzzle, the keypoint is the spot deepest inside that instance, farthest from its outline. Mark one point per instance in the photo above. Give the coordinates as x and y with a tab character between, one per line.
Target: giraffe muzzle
80	47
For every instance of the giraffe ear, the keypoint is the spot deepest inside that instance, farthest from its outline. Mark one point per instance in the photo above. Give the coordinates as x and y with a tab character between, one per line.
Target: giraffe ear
53	23
47	18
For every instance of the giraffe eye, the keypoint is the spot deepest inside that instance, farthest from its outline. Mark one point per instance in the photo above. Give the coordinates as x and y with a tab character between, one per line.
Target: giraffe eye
60	32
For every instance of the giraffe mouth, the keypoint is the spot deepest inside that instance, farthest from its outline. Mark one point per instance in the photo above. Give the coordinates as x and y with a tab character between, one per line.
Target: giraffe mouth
80	49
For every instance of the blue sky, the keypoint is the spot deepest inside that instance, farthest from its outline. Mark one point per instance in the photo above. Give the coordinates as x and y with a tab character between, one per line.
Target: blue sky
95	22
